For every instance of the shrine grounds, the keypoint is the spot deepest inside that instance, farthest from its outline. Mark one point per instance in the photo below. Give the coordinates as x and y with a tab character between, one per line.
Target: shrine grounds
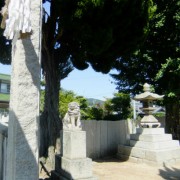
110	168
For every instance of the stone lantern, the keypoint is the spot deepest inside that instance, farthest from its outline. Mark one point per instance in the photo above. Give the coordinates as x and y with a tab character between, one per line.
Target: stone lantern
150	145
147	98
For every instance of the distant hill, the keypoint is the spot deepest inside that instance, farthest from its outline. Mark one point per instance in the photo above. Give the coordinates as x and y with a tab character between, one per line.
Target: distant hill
92	102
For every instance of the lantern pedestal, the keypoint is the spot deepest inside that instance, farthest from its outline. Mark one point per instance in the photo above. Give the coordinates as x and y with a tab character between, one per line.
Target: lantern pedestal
151	146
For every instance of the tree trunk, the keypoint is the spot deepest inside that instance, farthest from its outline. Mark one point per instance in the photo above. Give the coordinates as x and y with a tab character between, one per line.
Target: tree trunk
50	123
173	118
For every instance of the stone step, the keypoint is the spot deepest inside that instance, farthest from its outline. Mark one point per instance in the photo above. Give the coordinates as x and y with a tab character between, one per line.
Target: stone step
158	156
150	131
154	145
168	162
151	138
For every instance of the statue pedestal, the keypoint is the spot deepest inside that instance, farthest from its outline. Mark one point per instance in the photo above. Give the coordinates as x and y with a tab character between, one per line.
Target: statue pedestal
151	146
73	163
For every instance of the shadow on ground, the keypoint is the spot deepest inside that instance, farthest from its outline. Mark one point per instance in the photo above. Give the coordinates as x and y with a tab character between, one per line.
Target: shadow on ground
108	159
169	173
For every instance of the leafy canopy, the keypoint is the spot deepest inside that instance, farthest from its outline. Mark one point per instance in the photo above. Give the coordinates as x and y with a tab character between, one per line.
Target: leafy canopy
5	46
157	60
97	31
91	31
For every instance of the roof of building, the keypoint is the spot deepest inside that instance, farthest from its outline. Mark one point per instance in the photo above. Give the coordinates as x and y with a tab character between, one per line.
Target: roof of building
4	97
5	77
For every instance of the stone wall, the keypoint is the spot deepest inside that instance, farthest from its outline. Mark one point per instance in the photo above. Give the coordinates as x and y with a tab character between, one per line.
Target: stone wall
103	137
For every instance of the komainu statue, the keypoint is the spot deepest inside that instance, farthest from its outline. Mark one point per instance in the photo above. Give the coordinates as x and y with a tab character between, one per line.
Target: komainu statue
71	120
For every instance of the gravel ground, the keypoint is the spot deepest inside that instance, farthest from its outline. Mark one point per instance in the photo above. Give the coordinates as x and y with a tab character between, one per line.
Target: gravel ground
114	169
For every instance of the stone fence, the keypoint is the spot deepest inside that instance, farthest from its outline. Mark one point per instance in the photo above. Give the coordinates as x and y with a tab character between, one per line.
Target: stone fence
103	137
3	149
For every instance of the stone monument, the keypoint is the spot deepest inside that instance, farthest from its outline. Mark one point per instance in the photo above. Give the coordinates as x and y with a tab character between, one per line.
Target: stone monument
22	21
72	163
150	144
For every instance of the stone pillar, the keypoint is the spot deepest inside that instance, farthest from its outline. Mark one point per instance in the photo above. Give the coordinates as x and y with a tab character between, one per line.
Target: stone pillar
22	150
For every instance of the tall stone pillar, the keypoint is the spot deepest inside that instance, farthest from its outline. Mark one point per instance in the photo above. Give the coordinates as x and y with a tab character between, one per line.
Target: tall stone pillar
22	152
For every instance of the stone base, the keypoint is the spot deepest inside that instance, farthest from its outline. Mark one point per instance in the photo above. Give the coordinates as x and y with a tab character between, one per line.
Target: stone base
156	157
57	176
73	163
145	161
150	146
73	144
73	168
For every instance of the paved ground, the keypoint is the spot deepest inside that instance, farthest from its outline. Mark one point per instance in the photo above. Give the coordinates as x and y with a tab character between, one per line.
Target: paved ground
113	169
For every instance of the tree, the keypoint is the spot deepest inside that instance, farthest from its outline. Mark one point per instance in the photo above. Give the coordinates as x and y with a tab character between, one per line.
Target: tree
157	61
95	32
118	107
108	109
85	32
69	96
94	113
5	46
66	97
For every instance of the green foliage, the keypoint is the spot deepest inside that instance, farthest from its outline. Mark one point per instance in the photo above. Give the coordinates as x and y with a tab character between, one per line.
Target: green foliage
97	31
94	113
115	108
42	100
65	98
83	4
159	114
108	108
87	112
5	46
69	96
157	60
118	107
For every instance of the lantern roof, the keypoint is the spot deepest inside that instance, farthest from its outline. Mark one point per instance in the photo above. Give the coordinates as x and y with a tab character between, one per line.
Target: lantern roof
147	95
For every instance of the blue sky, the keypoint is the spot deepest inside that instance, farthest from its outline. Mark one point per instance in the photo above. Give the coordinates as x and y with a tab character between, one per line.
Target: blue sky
87	83
90	84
